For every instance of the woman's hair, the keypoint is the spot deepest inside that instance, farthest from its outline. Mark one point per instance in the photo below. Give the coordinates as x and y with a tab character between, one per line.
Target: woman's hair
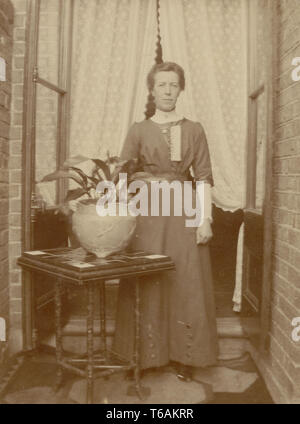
165	67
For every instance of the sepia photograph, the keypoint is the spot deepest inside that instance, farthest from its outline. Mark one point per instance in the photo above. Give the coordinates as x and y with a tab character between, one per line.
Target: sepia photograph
149	204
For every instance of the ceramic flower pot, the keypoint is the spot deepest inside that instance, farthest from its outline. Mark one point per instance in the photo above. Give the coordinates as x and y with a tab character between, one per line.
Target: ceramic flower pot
102	235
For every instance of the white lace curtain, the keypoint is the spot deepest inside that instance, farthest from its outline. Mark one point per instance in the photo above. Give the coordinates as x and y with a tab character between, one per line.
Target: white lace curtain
114	47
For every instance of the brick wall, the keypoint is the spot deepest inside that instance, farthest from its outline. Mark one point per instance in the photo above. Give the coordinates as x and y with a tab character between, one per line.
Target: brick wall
15	167
282	368
6	28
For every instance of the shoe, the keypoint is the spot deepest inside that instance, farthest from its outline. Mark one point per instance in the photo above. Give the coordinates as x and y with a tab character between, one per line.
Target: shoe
185	373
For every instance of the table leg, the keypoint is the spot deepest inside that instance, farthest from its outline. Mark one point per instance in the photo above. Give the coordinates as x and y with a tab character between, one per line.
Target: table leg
34	312
139	390
103	319
137	338
90	342
58	332
28	310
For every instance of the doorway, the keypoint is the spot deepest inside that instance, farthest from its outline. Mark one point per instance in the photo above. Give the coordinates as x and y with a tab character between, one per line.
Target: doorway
46	105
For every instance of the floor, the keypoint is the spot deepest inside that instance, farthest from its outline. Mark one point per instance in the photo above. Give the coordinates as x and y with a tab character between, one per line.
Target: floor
230	382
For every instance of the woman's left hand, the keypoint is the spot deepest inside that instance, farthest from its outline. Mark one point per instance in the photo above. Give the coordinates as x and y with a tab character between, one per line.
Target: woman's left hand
204	232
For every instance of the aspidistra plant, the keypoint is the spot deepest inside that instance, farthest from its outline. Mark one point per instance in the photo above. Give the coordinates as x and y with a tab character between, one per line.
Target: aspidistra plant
107	170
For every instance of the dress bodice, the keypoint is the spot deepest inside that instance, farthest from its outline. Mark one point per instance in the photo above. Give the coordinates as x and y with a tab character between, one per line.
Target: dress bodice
150	139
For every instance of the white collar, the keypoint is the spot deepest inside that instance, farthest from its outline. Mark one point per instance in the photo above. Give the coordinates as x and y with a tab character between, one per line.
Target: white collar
161	117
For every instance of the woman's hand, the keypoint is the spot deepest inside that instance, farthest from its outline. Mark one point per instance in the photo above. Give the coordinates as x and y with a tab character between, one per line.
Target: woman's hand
204	232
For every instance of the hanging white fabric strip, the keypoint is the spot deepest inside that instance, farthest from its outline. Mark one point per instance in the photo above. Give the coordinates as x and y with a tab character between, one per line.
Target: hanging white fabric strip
237	295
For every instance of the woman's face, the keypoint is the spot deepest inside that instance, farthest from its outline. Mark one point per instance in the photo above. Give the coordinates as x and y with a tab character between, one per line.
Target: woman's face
166	90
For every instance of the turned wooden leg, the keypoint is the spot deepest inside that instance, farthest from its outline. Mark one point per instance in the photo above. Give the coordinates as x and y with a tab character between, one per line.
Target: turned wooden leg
103	319
137	375
58	332
34	330
137	389
90	342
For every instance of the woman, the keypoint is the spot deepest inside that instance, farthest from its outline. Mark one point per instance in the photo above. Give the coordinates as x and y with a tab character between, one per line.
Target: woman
178	321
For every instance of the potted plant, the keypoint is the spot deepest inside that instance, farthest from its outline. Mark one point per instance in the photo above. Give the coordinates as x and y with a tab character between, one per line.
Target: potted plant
101	235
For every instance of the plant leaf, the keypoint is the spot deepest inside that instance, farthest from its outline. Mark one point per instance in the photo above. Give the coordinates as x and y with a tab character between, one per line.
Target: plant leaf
127	167
81	173
94	180
61	174
75	194
100	164
114	159
75	160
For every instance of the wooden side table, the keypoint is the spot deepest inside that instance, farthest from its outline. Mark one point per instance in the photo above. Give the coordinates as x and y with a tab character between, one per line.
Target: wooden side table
75	267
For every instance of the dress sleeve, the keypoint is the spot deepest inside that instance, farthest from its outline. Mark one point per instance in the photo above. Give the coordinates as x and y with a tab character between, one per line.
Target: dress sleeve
130	149
201	163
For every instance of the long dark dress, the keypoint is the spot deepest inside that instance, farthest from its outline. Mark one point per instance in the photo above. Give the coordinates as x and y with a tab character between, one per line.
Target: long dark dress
177	308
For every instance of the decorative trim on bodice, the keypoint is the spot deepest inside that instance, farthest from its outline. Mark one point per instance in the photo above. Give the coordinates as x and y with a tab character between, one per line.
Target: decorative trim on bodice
172	133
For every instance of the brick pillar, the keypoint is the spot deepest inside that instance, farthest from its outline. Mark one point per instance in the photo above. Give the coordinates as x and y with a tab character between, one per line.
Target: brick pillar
6	30
282	369
15	170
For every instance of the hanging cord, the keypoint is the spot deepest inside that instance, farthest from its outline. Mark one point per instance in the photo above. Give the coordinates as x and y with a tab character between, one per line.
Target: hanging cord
158	51
150	106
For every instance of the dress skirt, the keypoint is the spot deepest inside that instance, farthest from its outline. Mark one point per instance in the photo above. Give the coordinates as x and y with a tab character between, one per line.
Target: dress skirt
177	307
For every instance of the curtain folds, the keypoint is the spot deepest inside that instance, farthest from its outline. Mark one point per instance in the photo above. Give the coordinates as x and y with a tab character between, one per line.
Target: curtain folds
209	39
112	50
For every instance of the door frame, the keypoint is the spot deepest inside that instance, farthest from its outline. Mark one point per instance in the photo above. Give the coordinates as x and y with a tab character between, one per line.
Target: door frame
269	88
31	79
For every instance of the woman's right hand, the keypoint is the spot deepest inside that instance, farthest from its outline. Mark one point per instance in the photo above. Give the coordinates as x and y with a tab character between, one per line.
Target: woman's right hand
204	232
